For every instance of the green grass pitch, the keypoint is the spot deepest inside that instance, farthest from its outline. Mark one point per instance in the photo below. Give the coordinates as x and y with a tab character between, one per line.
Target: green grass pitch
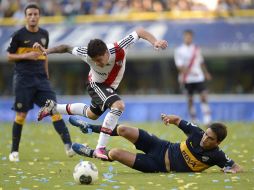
44	165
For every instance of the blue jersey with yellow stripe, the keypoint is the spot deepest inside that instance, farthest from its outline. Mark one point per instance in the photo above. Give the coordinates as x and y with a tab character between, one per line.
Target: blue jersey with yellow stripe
189	156
22	42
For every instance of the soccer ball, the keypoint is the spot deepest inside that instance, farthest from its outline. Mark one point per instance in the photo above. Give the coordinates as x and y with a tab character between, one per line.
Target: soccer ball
85	172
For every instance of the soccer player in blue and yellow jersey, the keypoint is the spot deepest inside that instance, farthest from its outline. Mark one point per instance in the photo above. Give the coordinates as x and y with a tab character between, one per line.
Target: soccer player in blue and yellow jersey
199	152
31	79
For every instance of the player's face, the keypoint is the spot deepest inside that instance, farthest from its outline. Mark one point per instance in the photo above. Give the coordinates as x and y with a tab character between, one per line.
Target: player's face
187	38
32	17
209	140
101	60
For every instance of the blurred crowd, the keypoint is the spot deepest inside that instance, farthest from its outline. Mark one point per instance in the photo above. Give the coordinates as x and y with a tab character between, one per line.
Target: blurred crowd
14	8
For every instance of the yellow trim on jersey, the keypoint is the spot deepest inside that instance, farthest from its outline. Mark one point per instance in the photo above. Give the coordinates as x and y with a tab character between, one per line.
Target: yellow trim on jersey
56	117
194	164
22	50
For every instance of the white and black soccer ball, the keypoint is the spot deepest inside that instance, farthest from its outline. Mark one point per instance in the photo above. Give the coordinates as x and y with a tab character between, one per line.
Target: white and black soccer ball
85	172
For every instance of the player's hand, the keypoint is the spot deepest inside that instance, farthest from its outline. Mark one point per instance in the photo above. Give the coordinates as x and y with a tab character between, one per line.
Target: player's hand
33	55
39	46
208	76
170	119
228	170
163	44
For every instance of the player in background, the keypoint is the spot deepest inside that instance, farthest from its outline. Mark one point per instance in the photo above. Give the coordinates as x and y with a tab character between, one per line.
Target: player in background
192	75
107	66
197	153
31	78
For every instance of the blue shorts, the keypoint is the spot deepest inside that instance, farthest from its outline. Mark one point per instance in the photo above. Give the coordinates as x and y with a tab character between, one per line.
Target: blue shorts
29	90
154	158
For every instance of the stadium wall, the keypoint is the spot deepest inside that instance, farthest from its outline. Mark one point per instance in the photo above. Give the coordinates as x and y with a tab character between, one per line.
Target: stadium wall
148	108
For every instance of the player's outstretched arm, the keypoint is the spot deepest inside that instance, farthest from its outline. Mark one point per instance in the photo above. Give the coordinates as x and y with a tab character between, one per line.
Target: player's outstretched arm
58	49
142	33
234	169
170	119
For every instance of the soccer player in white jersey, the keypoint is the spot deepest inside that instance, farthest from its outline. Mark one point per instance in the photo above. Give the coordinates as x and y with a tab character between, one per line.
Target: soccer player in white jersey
192	75
107	65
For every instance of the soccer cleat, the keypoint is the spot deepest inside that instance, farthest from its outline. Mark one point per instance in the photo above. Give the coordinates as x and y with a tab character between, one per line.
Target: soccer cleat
14	156
47	109
83	126
82	150
69	151
101	153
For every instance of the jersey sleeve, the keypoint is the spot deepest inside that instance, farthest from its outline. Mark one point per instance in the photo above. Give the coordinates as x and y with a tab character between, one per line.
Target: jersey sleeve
188	127
80	52
12	48
47	40
178	58
222	160
128	40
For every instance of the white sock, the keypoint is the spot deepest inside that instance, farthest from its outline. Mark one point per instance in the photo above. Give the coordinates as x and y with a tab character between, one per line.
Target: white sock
206	113
108	126
72	109
193	114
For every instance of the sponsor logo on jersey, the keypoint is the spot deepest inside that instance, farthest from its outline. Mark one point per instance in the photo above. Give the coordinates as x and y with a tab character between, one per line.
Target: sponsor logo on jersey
26	41
193	163
205	158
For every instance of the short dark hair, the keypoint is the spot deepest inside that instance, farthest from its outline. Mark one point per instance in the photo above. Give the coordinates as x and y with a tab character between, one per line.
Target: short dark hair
188	31
96	47
32	5
220	130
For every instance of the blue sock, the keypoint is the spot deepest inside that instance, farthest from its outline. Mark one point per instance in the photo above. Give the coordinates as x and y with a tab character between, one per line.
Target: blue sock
63	131
16	135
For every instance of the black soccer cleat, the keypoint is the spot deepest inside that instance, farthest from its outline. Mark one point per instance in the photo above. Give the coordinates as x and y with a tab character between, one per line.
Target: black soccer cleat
82	125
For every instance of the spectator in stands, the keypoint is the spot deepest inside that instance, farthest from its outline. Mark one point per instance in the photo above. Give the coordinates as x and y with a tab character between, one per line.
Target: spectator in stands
192	75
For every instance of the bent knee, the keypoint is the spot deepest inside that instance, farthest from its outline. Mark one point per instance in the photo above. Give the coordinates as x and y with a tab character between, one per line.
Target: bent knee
115	154
91	115
118	105
121	130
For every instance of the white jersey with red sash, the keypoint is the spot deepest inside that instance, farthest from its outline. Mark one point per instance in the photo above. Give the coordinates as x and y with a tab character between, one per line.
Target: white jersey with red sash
112	73
191	58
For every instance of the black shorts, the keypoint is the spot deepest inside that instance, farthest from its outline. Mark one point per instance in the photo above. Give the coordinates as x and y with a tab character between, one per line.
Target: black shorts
29	90
103	97
154	148
198	87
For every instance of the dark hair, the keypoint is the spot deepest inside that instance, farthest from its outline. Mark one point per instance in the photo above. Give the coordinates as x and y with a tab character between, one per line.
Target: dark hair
220	130
32	5
96	47
188	31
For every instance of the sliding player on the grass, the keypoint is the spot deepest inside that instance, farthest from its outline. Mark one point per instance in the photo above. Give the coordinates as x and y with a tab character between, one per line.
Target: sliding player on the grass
199	152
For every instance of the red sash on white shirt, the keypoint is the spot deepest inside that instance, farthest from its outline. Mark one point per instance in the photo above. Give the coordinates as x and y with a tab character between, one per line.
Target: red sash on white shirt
192	60
120	54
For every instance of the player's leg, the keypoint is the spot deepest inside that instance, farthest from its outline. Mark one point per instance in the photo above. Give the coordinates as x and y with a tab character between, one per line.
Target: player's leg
104	97
190	99
109	123
86	127
16	135
140	162
45	92
205	108
125	157
23	103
